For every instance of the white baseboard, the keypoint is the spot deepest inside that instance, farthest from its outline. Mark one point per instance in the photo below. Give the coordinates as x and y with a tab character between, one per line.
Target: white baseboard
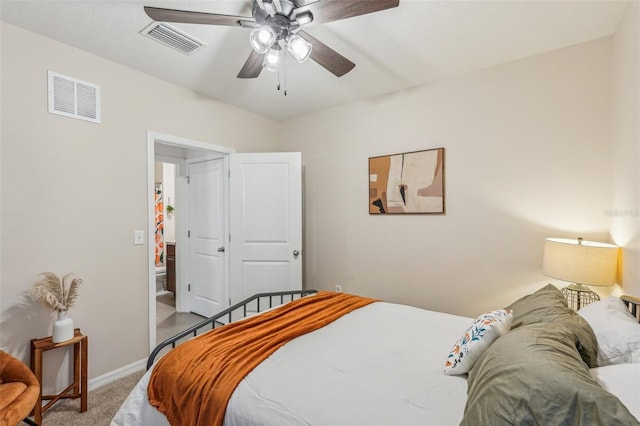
96	382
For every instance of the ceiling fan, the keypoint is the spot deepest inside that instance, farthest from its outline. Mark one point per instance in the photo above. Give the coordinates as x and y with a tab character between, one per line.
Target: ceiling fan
277	28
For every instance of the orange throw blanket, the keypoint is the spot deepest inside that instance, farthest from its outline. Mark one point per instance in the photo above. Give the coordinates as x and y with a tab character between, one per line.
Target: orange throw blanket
192	384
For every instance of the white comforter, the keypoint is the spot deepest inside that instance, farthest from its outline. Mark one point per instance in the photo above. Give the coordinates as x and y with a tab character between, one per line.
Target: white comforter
379	365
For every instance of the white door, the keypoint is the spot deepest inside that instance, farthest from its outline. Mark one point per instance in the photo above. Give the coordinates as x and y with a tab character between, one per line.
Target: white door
206	236
266	223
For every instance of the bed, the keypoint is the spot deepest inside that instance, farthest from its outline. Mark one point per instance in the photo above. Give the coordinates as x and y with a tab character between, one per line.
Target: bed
388	364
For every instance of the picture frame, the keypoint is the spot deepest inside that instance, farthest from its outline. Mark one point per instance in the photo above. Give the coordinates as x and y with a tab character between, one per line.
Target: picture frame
407	183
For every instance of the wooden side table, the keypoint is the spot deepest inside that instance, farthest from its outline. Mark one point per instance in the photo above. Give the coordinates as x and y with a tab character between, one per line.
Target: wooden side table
77	389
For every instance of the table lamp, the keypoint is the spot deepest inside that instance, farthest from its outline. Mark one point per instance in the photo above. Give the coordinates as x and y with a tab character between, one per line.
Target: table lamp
582	263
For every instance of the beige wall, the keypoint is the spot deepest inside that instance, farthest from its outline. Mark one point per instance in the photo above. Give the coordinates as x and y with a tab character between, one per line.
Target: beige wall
527	157
73	192
625	132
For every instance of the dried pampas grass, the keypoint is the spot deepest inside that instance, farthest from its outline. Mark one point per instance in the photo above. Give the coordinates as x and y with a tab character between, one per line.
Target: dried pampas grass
54	292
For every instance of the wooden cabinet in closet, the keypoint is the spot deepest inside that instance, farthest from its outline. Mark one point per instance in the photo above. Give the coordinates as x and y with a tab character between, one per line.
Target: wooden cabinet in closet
171	267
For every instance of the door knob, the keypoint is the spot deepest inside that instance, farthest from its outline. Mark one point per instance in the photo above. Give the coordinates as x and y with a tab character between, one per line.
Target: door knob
221	249
296	253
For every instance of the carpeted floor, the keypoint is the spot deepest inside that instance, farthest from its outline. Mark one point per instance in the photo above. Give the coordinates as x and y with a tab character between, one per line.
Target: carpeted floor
102	405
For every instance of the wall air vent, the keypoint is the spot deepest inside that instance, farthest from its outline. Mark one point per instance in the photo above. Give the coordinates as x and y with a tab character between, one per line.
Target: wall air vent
73	98
172	37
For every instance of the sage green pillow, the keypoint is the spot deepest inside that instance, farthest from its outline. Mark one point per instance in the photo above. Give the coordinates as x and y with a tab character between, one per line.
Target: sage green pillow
533	375
548	305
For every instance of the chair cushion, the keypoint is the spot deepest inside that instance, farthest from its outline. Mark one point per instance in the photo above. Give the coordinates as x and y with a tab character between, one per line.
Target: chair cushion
9	392
19	390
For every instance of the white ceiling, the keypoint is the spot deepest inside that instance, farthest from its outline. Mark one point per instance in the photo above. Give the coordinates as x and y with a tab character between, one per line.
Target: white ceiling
419	42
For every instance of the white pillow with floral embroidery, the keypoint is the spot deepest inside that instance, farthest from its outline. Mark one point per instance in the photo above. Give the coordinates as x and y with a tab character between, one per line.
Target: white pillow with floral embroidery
482	333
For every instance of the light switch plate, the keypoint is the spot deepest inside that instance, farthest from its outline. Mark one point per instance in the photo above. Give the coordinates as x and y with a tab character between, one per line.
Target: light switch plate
138	238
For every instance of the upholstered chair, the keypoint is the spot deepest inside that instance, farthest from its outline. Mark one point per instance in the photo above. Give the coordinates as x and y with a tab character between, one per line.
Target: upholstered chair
19	391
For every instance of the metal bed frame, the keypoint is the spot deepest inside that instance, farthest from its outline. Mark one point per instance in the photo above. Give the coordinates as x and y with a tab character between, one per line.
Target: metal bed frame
633	304
214	321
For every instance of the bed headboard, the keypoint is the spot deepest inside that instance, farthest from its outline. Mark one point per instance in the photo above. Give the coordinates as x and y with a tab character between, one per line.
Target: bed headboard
633	303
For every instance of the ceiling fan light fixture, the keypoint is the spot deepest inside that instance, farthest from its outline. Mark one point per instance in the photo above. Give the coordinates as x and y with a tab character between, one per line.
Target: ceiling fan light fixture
284	19
262	39
299	48
269	7
304	18
272	59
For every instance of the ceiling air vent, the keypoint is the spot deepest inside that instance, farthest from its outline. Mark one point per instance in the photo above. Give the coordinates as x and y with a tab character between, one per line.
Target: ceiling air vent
73	98
172	37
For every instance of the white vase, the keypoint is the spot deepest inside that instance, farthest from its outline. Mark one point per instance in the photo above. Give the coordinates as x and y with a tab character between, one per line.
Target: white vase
62	328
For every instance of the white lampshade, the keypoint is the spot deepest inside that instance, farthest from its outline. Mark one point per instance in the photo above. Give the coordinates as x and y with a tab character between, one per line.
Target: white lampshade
262	39
272	59
304	18
580	262
299	48
269	7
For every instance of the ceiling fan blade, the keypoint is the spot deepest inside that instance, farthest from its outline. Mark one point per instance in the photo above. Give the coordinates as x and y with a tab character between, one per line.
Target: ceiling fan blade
187	17
327	57
253	65
333	10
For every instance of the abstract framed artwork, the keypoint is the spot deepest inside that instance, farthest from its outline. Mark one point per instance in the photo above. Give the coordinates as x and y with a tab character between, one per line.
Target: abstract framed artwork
408	183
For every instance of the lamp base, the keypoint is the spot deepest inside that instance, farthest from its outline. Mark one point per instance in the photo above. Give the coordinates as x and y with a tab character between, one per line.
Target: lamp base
579	295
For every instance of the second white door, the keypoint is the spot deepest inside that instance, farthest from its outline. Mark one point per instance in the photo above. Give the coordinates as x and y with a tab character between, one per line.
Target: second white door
207	206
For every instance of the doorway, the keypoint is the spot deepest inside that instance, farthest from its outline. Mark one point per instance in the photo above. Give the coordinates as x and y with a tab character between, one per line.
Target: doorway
168	320
264	198
170	313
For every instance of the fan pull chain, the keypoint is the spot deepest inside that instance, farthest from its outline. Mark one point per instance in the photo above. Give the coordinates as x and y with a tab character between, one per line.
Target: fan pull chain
284	66
282	69
279	68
